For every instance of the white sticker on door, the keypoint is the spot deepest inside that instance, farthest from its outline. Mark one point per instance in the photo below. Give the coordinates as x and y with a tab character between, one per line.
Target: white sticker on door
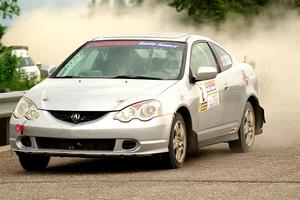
208	95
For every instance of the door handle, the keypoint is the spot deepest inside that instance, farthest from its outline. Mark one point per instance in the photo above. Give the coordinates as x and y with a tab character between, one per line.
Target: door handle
226	87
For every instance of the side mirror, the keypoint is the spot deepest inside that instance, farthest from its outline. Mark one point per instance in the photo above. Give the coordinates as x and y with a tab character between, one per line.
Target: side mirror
47	70
52	69
206	73
39	65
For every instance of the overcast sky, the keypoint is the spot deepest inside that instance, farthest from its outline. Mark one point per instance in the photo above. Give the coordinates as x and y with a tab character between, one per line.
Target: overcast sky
30	5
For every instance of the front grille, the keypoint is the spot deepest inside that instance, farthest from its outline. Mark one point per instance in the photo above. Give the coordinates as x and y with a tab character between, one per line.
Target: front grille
76	144
77	116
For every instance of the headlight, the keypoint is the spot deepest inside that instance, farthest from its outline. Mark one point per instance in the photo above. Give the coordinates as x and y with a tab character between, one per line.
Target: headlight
143	111
27	109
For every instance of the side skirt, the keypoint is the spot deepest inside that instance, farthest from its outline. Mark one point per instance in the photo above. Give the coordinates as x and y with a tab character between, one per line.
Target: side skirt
220	139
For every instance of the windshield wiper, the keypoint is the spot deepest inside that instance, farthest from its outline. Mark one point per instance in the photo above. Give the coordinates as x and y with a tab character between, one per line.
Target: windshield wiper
136	77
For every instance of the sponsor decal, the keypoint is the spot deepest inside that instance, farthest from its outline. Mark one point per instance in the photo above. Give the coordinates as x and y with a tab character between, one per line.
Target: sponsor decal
210	86
203	97
208	95
213	100
245	77
111	43
233	130
159	44
203	107
170	45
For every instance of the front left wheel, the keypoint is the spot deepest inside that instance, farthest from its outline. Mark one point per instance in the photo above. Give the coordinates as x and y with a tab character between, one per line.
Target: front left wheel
177	144
32	162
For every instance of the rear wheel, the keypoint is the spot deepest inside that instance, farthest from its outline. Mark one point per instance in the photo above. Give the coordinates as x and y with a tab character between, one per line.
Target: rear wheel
246	132
31	162
177	144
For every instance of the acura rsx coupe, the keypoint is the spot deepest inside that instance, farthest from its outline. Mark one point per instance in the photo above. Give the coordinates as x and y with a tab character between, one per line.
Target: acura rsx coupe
162	95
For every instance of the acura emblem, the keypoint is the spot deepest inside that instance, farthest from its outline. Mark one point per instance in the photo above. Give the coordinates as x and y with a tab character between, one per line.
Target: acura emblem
75	117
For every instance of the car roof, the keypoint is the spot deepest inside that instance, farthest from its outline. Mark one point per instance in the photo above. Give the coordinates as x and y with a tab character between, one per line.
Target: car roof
20	52
176	37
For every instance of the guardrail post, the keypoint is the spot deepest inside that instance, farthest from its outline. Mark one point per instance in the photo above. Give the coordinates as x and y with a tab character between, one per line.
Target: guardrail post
4	136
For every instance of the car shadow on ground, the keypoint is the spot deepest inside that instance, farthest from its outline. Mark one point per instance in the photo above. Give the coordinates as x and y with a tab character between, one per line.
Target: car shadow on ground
127	164
106	165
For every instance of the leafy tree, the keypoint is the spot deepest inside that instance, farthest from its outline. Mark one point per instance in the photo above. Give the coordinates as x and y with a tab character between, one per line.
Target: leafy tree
11	78
217	10
8	8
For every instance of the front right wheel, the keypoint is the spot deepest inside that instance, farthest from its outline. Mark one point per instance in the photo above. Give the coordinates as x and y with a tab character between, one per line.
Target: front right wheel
177	144
246	132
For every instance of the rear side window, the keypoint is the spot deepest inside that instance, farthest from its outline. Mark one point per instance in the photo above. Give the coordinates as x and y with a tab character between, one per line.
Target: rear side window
224	58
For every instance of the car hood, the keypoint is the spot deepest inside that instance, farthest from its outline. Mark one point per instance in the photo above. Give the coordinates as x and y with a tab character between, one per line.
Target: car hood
94	94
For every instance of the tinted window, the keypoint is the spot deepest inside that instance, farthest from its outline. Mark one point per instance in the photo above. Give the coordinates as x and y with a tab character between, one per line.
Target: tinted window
25	61
108	59
223	57
202	57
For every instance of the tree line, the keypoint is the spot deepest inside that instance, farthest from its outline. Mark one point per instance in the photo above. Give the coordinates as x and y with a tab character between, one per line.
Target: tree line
200	11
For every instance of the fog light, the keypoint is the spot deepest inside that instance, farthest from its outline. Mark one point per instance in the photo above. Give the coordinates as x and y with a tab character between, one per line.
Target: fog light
25	140
128	144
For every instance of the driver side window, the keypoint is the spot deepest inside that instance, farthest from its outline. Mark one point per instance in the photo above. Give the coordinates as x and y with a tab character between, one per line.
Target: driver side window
202	57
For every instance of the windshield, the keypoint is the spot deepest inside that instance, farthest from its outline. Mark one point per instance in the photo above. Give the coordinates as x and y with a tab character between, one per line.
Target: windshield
125	59
25	61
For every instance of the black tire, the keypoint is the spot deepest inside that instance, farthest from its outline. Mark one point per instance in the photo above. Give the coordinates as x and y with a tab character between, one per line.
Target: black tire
31	162
246	138
169	159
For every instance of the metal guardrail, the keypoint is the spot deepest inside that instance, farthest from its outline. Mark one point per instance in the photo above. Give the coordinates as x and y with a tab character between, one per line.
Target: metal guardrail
8	102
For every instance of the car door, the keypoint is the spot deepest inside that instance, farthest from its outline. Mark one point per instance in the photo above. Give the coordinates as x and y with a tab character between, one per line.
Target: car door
230	78
210	94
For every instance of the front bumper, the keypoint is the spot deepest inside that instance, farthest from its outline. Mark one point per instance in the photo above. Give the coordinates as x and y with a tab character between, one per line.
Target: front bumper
151	137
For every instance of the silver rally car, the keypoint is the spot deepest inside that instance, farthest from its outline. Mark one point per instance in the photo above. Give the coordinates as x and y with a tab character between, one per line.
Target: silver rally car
165	95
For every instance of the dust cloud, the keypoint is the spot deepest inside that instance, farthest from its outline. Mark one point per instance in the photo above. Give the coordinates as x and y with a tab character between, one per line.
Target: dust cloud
273	45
